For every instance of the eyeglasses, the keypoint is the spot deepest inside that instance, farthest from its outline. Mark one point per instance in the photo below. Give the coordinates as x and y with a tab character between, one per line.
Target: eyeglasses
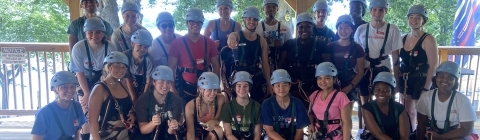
191	22
165	26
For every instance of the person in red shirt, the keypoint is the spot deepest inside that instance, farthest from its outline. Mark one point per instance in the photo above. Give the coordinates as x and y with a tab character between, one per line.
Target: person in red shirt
191	55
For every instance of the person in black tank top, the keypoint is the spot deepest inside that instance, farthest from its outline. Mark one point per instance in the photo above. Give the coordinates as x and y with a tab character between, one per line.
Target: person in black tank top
300	56
419	57
111	112
244	45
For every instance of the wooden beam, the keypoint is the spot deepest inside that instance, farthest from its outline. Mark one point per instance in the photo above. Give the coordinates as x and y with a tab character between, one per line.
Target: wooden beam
74	8
292	4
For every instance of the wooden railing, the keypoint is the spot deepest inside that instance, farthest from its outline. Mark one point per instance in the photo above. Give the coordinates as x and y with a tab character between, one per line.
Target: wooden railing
27	85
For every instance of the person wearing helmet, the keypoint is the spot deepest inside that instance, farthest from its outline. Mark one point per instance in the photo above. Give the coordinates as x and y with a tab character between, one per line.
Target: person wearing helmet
141	64
121	36
193	54
274	31
321	12
111	113
299	57
379	39
219	29
384	117
159	111
241	117
330	110
434	107
202	113
357	12
161	45
75	29
62	118
86	61
419	57
348	57
251	44
283	116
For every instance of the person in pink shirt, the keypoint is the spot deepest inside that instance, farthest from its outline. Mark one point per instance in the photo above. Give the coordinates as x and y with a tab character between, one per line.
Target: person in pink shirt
330	110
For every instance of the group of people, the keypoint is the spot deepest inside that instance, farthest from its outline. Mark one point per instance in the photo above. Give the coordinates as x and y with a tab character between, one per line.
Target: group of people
257	81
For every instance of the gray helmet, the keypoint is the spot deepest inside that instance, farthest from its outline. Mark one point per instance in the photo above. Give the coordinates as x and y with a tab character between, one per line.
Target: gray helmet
224	2
116	57
162	73
130	6
280	75
195	14
378	3
320	5
304	17
251	12
63	77
95	24
208	80
386	77
265	2
344	19
142	36
326	69
164	16
449	67
242	76
418	9
364	2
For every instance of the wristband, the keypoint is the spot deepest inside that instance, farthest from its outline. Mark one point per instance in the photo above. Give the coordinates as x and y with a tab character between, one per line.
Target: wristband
352	85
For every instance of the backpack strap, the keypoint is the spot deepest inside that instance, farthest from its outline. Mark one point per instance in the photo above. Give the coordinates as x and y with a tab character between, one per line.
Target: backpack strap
446	125
123	39
325	115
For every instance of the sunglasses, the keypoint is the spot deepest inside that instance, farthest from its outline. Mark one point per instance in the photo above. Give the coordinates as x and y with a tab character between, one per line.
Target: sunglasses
191	22
165	26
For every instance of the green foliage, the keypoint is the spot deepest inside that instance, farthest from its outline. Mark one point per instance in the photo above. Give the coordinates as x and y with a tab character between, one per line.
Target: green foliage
440	18
33	21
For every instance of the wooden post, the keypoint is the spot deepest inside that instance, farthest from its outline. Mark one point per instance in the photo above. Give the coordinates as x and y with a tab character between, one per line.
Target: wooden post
74	8
300	6
443	55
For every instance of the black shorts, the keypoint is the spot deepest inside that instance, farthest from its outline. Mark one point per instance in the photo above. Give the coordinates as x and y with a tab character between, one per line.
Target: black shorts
364	84
414	86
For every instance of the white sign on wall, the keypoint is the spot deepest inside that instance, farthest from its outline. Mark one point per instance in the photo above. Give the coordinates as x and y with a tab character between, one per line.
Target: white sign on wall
14	55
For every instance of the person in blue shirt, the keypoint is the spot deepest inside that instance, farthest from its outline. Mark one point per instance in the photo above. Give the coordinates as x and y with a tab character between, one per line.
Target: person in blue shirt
283	116
62	118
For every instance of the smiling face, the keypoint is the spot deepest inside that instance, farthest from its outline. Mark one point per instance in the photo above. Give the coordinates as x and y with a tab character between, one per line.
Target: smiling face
325	82
320	15
242	89
162	86
445	81
130	17
65	91
415	21
224	11
344	31
209	94
166	28
250	23
378	13
305	29
117	70
90	6
94	36
270	10
194	27
382	91
356	9
139	49
281	89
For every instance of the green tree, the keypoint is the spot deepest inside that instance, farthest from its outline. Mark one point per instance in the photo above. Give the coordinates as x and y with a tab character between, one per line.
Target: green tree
31	21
